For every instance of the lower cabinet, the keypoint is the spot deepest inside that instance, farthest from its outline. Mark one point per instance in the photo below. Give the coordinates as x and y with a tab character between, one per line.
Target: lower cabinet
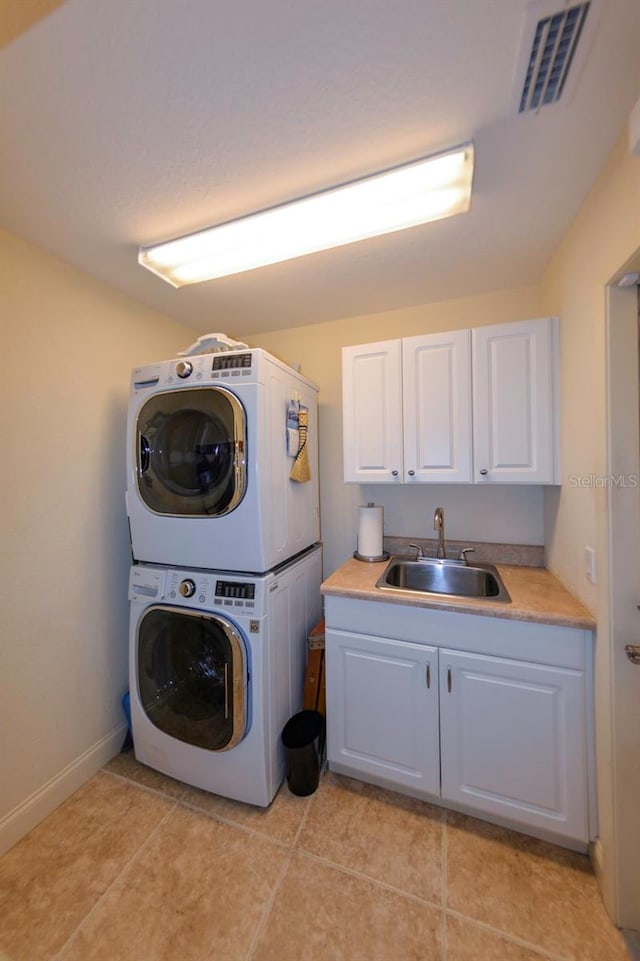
495	736
383	709
512	740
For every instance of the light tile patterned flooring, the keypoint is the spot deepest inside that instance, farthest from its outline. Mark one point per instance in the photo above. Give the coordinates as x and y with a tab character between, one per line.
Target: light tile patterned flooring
138	867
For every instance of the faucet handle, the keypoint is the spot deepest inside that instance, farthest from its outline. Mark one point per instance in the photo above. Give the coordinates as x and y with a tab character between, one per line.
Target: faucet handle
462	556
418	549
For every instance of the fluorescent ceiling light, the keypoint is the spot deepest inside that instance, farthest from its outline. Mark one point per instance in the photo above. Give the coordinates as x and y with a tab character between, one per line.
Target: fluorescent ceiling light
425	190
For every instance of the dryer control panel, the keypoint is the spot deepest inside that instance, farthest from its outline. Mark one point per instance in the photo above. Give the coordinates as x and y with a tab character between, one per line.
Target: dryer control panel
232	361
201	369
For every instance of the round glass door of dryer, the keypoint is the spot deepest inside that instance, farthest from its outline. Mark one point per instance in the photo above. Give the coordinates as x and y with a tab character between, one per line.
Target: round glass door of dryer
192	677
191	452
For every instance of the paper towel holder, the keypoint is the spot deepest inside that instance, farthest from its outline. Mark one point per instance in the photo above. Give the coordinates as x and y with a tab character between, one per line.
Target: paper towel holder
372	560
384	556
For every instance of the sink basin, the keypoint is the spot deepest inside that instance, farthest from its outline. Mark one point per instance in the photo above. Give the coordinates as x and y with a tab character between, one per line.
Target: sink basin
450	578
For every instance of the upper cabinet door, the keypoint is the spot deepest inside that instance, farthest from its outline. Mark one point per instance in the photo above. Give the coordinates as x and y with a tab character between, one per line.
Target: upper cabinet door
513	402
372	412
436	372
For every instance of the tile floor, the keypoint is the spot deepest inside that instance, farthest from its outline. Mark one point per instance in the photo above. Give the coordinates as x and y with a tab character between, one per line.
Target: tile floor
138	867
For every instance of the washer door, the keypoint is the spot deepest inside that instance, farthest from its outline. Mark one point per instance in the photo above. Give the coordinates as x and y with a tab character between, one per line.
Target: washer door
190	448
192	677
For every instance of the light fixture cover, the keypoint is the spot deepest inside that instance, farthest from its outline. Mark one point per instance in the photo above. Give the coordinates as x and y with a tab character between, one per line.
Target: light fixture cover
416	193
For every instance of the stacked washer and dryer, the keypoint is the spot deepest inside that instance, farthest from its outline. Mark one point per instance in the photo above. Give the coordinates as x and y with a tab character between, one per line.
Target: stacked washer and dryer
226	581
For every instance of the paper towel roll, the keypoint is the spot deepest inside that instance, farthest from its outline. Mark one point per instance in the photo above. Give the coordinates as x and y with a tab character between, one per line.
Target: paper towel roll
370	531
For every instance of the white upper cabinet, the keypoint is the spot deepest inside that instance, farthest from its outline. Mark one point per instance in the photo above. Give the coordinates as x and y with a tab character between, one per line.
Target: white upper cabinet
465	406
372	413
407	410
513	402
436	370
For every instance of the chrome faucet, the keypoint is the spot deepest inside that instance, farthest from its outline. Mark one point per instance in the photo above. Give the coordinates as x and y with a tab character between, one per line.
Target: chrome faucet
438	525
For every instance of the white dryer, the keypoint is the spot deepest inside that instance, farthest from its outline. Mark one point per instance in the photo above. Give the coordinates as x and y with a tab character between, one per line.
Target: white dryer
208	469
216	669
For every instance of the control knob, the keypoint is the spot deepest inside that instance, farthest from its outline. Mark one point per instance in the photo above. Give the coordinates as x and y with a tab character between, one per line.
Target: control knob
184	368
187	588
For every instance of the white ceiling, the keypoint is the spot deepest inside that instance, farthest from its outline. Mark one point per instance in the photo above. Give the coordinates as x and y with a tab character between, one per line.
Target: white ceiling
125	122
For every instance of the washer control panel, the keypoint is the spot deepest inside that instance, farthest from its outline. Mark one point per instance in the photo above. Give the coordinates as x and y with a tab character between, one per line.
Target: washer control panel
242	589
207	590
236	594
147	583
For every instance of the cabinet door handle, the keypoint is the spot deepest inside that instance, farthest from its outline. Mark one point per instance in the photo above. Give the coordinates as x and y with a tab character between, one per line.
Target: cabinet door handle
633	652
394	473
449	679
411	473
428	674
484	471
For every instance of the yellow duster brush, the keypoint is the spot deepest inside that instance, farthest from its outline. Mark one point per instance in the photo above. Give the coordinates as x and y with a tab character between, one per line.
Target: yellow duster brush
301	471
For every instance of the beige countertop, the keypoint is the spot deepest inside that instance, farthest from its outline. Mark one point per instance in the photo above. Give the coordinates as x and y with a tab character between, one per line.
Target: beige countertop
536	595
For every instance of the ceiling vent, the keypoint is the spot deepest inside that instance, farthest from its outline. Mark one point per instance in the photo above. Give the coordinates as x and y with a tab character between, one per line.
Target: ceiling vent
553	49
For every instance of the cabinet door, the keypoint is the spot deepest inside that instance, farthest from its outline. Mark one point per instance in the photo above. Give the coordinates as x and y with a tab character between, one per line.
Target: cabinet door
513	741
382	710
513	402
372	413
436	370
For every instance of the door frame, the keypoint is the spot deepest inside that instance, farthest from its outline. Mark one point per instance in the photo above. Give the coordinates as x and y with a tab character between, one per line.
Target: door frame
617	854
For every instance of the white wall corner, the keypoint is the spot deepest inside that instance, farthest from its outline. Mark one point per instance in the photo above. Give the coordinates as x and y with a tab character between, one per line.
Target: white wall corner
634	130
596	857
17	823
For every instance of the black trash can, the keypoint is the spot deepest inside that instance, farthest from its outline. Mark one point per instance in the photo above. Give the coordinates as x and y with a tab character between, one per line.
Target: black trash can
301	737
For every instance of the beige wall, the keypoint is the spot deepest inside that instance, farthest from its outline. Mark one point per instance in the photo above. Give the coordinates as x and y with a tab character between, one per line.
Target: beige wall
16	18
508	514
67	346
603	238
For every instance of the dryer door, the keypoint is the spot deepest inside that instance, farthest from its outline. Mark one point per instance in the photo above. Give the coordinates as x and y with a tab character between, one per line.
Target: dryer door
191	447
192	676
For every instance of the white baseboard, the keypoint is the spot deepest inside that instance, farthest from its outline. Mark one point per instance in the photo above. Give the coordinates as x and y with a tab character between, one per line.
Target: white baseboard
23	818
595	856
632	941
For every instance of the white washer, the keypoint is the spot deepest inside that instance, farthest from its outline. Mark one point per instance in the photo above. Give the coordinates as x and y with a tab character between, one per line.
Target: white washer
208	469
216	669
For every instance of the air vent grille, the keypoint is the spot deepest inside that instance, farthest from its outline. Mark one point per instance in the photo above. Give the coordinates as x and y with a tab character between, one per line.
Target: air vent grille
554	45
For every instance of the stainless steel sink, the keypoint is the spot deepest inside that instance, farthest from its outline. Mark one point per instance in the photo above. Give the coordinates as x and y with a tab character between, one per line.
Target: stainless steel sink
450	578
